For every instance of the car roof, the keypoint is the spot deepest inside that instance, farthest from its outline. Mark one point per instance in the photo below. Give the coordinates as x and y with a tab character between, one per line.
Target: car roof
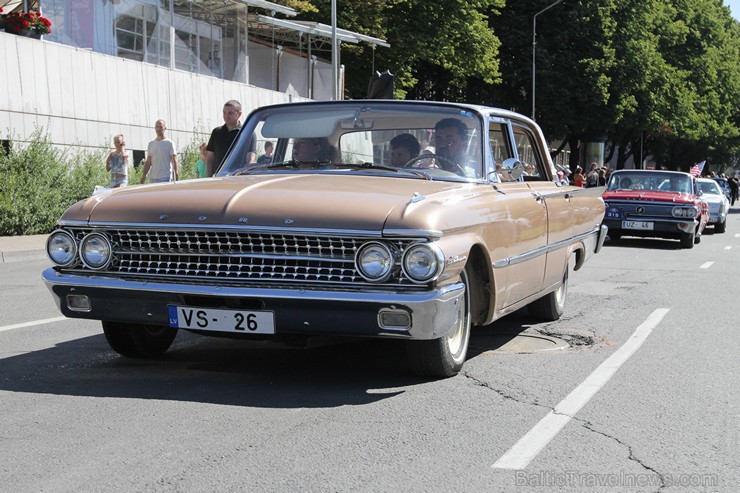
477	108
646	171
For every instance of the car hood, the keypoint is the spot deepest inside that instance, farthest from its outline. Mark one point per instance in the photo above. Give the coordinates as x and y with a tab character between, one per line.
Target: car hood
713	199
651	195
300	201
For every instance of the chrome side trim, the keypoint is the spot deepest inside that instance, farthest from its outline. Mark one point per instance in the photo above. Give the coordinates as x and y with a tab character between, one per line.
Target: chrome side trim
430	234
545	249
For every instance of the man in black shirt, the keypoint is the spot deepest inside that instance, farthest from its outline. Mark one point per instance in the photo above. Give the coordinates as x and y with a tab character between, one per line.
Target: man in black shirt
222	137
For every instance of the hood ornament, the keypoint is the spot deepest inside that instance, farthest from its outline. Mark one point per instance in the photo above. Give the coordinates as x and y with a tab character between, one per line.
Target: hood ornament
418	197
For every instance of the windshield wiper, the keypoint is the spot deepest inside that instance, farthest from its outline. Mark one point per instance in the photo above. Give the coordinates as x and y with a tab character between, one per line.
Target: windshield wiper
292	164
285	164
367	165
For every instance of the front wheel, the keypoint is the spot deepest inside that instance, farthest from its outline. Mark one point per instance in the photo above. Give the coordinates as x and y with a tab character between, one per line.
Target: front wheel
551	306
138	340
444	357
687	240
720	227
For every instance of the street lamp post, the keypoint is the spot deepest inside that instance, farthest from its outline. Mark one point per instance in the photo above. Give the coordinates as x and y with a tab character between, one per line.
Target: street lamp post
334	52
534	44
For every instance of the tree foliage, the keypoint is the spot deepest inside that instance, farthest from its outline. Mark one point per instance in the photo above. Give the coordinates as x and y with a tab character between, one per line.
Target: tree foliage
659	77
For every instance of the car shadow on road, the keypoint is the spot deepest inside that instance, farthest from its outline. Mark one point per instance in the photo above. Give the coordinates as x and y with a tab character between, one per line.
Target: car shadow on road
329	372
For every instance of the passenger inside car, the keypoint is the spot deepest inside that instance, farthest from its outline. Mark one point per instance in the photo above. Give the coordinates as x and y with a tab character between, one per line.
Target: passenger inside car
313	150
404	147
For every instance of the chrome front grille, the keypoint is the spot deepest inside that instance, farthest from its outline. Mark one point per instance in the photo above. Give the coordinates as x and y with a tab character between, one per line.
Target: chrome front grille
240	257
647	209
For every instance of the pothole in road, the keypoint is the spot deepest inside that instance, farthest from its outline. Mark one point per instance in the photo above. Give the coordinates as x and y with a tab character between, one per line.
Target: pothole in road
575	338
541	341
519	343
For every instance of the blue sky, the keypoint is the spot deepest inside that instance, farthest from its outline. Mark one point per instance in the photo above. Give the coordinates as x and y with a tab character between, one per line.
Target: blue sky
735	7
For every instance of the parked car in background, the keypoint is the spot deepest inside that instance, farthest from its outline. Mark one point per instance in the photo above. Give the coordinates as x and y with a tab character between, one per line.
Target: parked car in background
719	205
651	203
335	236
724	185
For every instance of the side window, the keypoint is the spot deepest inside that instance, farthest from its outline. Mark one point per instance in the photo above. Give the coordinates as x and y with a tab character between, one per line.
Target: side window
529	154
498	140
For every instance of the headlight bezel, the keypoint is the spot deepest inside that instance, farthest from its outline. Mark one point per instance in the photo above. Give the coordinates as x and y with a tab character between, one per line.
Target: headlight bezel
74	258
83	256
433	252
389	256
684	211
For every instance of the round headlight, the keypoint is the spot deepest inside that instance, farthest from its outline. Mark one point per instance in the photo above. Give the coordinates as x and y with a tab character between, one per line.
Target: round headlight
61	248
423	262
95	251
375	262
684	211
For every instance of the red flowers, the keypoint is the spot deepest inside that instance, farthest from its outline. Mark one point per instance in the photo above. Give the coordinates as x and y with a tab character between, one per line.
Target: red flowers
16	21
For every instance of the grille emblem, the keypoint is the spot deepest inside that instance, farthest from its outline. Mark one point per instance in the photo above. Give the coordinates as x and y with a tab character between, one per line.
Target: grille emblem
288	221
640	210
202	218
163	217
243	220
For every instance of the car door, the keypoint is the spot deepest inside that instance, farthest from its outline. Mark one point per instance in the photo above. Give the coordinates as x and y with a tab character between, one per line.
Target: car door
519	272
555	198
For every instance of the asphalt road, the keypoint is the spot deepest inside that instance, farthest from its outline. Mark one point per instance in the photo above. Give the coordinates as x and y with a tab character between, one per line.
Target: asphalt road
643	397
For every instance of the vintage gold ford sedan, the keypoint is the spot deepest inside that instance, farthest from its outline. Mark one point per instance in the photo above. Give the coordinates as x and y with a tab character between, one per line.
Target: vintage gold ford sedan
396	219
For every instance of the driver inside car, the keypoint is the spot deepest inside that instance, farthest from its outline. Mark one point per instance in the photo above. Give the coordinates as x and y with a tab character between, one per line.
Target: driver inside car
450	142
450	139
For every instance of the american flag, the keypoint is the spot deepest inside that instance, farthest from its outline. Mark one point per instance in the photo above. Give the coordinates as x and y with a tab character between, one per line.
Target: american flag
697	168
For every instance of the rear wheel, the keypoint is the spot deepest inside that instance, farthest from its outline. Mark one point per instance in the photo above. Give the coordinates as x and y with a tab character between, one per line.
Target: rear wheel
687	240
138	340
444	356
551	306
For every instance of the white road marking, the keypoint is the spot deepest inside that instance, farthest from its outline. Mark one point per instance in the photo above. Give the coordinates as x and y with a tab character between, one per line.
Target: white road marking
737	235
31	324
706	265
531	444
728	247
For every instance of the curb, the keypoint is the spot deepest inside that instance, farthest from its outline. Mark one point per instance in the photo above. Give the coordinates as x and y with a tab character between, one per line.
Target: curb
8	257
22	248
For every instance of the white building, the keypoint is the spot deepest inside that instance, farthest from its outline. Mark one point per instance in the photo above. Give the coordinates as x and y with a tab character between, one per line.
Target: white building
116	66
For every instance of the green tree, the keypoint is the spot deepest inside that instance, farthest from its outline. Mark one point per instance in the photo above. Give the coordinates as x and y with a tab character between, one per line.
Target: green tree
436	47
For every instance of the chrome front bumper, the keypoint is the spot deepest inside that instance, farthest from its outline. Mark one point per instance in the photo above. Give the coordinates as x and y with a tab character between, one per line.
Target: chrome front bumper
432	314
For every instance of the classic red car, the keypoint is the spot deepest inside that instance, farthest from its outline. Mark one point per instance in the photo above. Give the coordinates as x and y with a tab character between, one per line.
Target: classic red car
648	203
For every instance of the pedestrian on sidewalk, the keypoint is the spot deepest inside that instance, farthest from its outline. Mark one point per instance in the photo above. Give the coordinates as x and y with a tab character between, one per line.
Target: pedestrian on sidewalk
117	163
161	159
223	136
734	184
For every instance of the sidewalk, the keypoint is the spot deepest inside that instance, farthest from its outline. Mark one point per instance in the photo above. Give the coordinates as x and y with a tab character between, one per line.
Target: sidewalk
20	248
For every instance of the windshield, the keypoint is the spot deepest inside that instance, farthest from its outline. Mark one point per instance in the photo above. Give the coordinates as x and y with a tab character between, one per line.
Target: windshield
421	141
710	187
659	180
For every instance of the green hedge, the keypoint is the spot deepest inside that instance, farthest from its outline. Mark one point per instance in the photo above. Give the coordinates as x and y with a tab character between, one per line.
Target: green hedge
39	181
